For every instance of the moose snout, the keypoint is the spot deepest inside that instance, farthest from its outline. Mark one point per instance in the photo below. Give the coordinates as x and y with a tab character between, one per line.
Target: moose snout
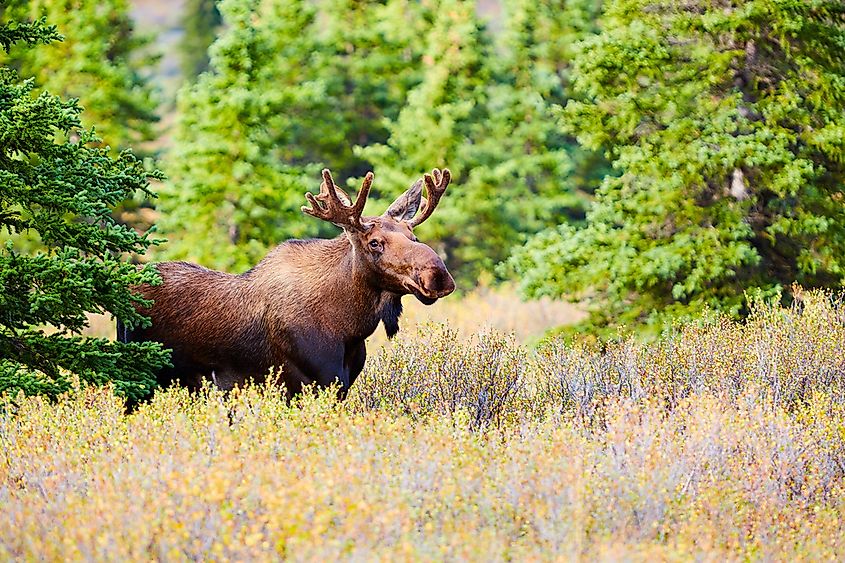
436	281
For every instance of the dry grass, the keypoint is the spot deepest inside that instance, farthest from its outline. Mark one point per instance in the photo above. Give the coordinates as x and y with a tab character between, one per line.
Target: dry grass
721	441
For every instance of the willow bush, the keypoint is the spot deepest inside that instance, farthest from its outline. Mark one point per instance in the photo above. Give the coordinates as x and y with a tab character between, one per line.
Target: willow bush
782	354
723	440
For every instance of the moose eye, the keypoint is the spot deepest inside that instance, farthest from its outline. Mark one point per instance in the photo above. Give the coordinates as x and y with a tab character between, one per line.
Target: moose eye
375	244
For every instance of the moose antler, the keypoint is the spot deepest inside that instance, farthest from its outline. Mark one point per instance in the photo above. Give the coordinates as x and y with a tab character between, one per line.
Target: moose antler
334	205
434	190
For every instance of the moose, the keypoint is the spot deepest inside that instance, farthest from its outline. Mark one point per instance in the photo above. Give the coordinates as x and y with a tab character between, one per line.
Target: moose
308	306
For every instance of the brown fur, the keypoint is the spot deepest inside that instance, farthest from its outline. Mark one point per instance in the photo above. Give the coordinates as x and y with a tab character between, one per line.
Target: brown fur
307	307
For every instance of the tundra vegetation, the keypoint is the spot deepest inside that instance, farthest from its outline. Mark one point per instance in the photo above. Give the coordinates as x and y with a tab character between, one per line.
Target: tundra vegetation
721	440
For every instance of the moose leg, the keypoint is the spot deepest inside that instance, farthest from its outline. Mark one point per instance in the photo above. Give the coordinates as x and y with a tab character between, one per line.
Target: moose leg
228	377
184	372
190	379
356	355
225	379
293	379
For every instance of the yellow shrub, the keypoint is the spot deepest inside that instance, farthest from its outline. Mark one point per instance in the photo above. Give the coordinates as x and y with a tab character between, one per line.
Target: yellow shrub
721	441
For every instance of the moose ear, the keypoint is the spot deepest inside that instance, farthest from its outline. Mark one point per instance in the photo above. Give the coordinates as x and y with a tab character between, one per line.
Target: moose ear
407	204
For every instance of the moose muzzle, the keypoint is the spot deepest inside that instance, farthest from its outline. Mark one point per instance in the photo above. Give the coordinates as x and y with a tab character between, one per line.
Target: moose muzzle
433	281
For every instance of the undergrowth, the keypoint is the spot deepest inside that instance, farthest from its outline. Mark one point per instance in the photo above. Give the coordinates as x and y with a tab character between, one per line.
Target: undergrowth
722	440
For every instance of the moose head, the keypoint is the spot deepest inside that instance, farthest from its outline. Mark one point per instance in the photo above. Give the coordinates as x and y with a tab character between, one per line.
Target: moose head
386	245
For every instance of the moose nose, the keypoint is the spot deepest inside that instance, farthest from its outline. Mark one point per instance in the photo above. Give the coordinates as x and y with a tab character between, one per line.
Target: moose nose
437	281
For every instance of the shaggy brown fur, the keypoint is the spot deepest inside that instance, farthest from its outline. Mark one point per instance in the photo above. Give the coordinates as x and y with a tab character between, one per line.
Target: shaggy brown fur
307	307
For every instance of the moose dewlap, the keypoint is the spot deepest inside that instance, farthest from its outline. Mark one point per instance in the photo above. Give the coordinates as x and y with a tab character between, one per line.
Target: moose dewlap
309	305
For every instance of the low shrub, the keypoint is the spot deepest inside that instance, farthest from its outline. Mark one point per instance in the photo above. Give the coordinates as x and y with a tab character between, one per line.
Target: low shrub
435	372
783	354
720	441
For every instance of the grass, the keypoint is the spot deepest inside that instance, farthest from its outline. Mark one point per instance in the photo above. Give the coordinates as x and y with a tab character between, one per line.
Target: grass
722	440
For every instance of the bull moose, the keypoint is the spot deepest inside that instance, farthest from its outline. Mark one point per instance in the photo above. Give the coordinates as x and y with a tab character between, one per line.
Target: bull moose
308	306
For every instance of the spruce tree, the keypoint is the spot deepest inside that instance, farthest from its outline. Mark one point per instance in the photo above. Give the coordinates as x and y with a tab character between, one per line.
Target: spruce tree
539	40
368	58
58	184
485	111
433	130
293	85
237	173
726	125
100	61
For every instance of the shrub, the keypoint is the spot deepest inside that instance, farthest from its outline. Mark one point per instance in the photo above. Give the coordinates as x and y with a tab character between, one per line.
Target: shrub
782	354
249	477
723	440
435	373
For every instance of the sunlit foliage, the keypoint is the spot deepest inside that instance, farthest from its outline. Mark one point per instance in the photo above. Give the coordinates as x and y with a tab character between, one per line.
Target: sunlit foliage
101	61
288	90
484	109
394	86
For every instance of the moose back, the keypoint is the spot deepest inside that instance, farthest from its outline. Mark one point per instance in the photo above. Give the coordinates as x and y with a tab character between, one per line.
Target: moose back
308	306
